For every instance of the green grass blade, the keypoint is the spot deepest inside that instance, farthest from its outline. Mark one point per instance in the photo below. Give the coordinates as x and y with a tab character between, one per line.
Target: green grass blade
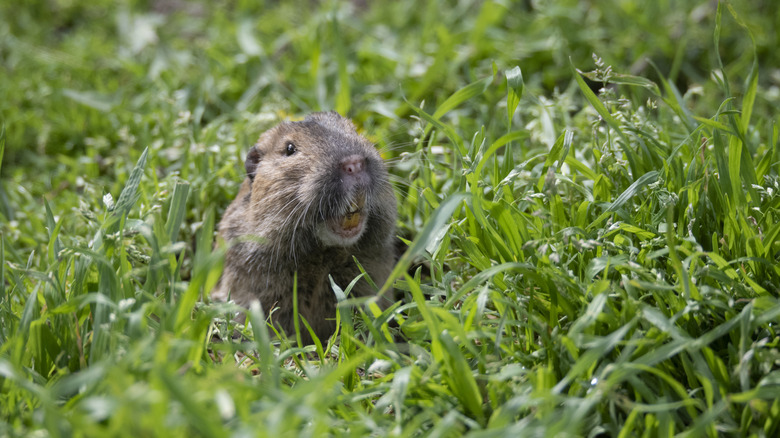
177	210
595	102
344	95
129	195
447	130
558	153
714	124
2	147
675	100
502	141
200	418
5	295
633	189
630	192
735	161
426	237
207	270
721	73
55	245
461	379
624	79
514	86
770	155
268	368
469	91
749	98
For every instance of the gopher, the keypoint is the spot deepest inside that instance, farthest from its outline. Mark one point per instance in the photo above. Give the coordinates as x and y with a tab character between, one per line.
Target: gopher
316	195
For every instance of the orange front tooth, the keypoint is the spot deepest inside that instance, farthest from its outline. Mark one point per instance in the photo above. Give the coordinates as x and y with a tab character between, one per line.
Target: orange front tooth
351	220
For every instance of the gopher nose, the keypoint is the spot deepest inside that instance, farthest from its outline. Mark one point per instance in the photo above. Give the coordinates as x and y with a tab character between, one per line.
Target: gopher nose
353	165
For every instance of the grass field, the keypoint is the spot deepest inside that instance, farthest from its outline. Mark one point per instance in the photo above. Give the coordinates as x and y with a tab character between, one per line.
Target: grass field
590	192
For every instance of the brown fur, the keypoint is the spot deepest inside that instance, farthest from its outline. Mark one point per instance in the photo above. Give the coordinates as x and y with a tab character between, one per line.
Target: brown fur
277	224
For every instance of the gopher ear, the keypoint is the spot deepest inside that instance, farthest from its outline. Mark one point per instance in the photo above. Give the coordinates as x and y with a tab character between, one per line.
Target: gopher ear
252	159
332	119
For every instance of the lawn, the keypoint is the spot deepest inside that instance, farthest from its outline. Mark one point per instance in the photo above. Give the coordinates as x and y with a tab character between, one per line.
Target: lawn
589	194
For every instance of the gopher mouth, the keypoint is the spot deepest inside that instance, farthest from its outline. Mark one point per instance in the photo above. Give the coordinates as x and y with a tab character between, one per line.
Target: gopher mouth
347	228
351	219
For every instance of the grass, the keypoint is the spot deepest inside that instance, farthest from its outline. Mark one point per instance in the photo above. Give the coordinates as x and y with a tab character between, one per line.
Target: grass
599	233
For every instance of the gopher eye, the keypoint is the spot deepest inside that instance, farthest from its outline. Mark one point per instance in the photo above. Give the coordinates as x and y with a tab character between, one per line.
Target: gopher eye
290	148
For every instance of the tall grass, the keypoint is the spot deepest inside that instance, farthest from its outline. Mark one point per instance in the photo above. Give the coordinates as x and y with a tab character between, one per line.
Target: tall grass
591	250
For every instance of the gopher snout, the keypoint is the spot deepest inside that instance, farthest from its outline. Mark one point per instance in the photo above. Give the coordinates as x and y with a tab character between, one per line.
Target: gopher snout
353	165
354	172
